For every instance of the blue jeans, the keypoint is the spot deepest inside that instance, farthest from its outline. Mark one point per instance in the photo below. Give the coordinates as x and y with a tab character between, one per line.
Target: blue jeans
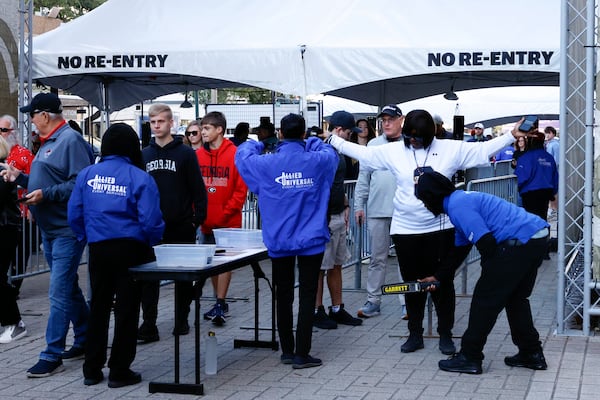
67	303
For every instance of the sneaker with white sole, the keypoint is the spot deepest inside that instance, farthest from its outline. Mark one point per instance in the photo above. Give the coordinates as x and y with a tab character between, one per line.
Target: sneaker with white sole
369	310
44	368
218	314
13	332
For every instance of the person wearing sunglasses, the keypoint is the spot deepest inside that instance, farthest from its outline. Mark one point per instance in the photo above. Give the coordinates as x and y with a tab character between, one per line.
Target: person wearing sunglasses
423	241
13	327
21	158
192	133
63	154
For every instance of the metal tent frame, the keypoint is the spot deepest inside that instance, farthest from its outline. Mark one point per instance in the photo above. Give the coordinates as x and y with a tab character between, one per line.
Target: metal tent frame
576	169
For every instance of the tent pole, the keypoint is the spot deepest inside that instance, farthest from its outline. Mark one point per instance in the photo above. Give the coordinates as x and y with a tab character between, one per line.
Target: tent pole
105	114
304	107
196	104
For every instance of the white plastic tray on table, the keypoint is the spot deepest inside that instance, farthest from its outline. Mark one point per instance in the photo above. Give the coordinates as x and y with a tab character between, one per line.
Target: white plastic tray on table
238	238
184	255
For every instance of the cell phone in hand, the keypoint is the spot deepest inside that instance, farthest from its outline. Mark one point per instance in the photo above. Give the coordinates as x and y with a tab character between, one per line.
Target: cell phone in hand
22	199
529	123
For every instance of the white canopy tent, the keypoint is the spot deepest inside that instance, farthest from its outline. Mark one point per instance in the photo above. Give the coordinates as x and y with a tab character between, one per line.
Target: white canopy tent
376	51
492	106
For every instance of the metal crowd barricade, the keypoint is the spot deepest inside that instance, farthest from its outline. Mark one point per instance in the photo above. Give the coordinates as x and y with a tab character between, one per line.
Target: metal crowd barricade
504	187
250	214
357	237
29	249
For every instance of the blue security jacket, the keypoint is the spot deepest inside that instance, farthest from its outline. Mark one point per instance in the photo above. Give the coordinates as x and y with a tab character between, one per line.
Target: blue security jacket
474	214
536	169
115	200
292	185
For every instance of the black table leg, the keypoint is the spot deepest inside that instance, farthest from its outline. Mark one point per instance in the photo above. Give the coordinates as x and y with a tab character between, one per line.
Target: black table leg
177	387
273	344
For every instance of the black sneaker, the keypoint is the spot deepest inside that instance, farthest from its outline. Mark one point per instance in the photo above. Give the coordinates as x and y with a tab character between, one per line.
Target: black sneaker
287	358
300	362
446	345
45	368
147	334
93	379
123	379
459	363
342	317
181	328
413	343
74	353
322	320
535	360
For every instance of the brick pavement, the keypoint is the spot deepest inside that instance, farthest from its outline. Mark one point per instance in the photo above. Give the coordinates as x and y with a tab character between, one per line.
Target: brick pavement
358	362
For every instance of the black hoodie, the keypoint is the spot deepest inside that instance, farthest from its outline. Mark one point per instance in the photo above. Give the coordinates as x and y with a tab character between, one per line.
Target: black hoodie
432	188
175	169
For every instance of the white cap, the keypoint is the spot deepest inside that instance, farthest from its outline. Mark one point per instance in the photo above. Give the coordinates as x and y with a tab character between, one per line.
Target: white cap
479	125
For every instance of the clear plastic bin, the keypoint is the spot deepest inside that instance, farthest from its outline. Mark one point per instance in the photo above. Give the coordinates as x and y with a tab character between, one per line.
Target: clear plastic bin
239	238
184	255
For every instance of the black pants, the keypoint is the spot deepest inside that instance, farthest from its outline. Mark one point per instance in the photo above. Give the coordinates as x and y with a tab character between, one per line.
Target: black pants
283	281
506	282
29	238
174	233
110	279
9	311
419	256
536	202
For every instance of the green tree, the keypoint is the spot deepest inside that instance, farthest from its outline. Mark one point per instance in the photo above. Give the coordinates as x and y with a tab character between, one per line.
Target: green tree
70	9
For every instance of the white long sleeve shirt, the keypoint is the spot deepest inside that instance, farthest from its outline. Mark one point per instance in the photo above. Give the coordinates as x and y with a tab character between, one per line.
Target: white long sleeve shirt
444	156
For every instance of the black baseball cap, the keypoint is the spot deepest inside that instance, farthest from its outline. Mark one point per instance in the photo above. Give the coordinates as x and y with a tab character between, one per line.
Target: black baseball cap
392	110
48	102
345	120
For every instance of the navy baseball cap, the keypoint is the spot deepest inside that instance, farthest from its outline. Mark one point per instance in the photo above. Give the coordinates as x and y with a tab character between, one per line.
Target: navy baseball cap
345	120
392	110
48	102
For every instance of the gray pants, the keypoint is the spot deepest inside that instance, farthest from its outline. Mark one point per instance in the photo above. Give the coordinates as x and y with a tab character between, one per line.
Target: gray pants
379	235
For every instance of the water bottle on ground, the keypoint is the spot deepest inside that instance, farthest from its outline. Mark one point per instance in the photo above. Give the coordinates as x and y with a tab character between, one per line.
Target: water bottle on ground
210	364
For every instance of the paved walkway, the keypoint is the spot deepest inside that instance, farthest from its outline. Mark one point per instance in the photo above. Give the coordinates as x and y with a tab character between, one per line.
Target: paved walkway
358	362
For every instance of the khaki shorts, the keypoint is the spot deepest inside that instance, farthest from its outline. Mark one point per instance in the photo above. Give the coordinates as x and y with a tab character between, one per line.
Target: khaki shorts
336	251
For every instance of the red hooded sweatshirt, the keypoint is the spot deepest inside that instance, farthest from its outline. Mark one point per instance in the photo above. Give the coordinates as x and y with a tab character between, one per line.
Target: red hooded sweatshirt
226	191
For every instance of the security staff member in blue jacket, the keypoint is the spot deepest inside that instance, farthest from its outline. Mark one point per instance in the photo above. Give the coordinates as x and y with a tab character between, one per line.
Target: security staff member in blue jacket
512	243
537	176
114	206
292	185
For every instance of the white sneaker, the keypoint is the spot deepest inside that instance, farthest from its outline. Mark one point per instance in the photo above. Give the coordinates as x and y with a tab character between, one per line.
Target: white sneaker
13	332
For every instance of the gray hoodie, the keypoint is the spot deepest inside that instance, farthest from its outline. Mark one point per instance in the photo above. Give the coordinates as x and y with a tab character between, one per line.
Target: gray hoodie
375	189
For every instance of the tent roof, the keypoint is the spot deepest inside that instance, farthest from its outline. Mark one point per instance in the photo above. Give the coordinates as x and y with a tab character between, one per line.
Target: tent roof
403	49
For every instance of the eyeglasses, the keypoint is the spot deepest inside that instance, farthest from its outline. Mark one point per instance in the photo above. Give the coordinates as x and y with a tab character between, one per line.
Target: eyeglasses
192	133
4	130
31	114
